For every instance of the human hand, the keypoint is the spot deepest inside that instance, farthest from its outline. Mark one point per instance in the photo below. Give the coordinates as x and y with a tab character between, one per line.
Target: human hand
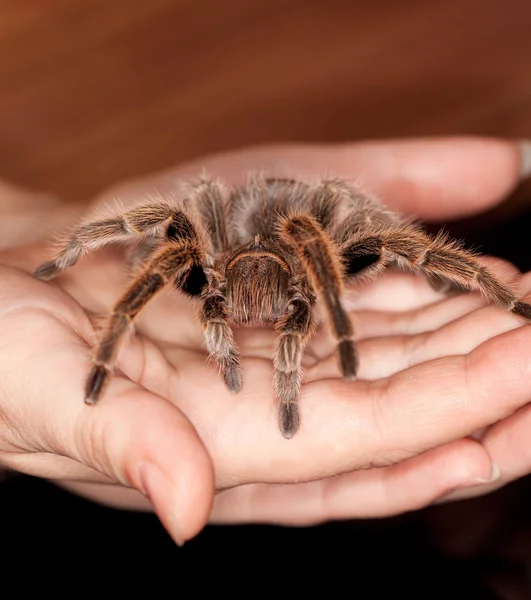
424	363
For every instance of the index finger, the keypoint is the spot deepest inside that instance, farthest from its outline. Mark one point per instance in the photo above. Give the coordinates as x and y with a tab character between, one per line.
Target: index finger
432	179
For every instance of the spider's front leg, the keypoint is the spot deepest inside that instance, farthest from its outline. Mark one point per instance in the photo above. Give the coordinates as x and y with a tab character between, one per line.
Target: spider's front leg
160	218
323	266
219	339
295	327
138	222
168	265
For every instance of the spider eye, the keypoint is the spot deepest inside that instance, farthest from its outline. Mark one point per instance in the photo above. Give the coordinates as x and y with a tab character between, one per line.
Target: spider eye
193	282
358	263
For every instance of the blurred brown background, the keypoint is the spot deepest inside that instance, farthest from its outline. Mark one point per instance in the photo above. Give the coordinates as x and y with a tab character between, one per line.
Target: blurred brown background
93	91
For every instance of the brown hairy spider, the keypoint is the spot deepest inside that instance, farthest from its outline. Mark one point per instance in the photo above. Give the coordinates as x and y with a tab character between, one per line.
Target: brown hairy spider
259	254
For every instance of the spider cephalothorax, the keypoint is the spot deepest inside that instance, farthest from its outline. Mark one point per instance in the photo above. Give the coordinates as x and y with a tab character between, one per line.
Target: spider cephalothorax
262	253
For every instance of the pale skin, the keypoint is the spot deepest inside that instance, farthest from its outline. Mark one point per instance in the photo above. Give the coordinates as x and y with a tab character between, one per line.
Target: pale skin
434	370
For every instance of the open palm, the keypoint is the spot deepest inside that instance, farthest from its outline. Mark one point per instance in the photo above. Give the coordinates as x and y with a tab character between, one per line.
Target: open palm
433	370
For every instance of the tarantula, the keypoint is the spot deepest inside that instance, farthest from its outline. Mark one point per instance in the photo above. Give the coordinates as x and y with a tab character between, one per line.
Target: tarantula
262	253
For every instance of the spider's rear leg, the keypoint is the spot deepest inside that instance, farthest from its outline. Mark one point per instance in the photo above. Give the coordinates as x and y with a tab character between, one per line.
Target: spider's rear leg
295	328
323	266
168	265
219	339
437	257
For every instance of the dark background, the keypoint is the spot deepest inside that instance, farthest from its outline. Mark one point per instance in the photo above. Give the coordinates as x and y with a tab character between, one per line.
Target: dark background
93	91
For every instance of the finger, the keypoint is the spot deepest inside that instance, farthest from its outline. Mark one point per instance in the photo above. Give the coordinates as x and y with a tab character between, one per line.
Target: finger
382	357
437	178
392	291
410	485
346	426
459	336
131	436
382	492
390	342
508	443
478	389
404	303
113	496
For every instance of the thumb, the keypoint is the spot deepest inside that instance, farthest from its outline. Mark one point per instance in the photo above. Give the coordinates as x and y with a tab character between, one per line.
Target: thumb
131	437
144	442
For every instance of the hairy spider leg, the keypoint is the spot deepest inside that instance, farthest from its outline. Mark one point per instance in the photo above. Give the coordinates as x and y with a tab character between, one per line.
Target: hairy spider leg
167	266
295	327
436	257
323	266
138	222
148	219
218	335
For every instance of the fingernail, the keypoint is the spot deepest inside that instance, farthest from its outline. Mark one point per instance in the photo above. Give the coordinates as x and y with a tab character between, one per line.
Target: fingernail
161	492
524	147
454	494
494	475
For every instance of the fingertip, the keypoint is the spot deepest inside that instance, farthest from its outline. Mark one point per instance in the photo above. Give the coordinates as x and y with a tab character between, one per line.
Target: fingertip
469	463
145	442
437	474
439	178
524	147
182	502
178	479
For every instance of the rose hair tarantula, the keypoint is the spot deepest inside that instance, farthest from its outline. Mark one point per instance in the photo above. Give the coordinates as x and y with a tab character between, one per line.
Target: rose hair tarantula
260	254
